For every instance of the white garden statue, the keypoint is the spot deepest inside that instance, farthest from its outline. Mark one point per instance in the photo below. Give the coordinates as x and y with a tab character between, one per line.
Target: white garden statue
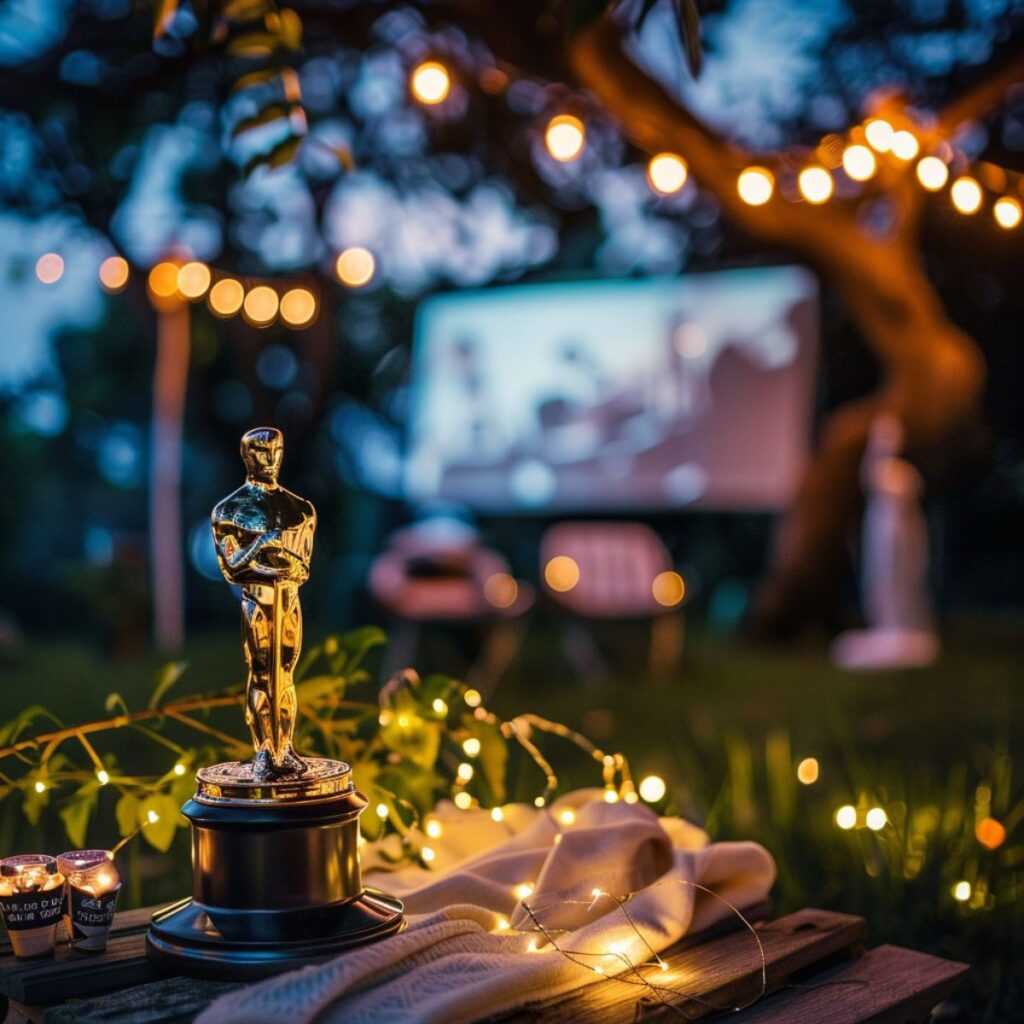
900	629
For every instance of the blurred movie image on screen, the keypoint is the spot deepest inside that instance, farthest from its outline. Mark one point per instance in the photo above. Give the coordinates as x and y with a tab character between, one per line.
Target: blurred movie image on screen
657	394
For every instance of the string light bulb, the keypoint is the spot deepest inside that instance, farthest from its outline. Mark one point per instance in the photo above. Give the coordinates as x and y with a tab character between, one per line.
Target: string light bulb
179	769
652	788
876	819
879	134
1007	212
567	817
226	297
439	706
966	195
497	814
355	266
815	184
50	268
152	817
163	280
114	274
667	173
846	817
904	145
430	83
472	698
755	185
193	279
859	162
565	137
807	771
433	828
561	573
668	589
40	786
260	305
428	855
471	746
103	776
932	173
465	772
962	891
463	800
298	307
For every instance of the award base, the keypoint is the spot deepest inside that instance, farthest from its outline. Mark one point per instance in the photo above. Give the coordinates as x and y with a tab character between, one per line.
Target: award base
275	876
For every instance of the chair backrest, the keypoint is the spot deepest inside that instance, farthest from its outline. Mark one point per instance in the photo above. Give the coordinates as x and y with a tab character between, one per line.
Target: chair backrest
616	562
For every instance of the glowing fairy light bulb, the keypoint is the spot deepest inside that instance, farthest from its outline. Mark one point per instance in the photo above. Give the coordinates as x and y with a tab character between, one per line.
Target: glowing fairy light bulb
668	589
226	296
465	771
567	817
471	746
846	817
433	828
879	134
355	266
428	855
298	307
932	173
103	776
50	268
966	195
472	698
876	819
40	786
667	173
807	771
193	279
755	185
463	800
859	162
904	145
260	305
561	573
179	769
962	891
114	274
163	280
382	811
815	184
652	788
497	814
1007	212
430	83
152	817
565	137
501	590
439	706
523	891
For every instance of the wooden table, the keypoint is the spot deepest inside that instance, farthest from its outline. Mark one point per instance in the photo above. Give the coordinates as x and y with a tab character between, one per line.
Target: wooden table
818	972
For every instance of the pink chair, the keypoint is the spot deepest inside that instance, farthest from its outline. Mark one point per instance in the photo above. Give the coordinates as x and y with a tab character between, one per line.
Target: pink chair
613	570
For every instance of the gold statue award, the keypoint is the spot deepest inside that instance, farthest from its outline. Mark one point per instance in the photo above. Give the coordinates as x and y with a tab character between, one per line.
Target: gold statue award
276	882
264	539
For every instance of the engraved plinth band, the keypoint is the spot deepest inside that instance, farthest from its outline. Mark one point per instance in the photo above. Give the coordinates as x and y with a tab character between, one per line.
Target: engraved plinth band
234	782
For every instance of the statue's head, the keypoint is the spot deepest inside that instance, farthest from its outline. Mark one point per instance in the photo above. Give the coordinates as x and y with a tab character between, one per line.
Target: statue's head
262	451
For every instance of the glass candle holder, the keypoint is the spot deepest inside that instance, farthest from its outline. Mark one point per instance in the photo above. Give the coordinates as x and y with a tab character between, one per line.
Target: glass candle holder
92	888
31	899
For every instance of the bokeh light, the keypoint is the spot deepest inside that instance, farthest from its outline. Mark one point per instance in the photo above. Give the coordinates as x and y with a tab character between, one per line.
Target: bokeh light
904	145
876	819
501	590
430	82
807	771
50	268
163	280
755	185
565	137
1007	212
859	162
846	817
668	589
226	297
962	891
561	573
932	173
966	195
879	134
193	280
260	305
652	788
114	274
463	800
815	184
355	266
471	746
990	833
298	307
667	173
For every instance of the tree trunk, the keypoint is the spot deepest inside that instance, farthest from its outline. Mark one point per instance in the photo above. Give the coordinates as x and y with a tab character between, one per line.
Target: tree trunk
932	372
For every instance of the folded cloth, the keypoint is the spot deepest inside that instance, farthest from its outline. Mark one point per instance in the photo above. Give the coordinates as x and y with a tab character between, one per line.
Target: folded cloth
472	949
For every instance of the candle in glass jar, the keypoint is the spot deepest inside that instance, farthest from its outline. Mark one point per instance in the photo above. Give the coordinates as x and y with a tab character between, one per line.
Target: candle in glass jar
92	888
31	899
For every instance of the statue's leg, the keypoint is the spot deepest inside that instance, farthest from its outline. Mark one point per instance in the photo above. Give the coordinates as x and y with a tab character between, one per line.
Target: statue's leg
256	642
291	648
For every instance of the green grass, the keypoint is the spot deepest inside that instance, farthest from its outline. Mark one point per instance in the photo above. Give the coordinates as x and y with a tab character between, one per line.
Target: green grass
937	749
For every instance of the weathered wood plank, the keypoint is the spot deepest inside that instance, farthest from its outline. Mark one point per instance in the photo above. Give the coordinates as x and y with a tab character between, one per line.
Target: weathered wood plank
887	985
716	975
167	1001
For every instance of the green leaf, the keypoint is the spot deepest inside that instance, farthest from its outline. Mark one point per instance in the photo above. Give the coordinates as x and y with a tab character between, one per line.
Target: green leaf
159	833
354	646
414	738
11	730
313	689
411	783
115	702
127	813
168	676
77	811
34	803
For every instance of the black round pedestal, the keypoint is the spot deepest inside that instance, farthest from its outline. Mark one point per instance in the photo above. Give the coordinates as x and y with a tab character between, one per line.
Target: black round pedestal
275	885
